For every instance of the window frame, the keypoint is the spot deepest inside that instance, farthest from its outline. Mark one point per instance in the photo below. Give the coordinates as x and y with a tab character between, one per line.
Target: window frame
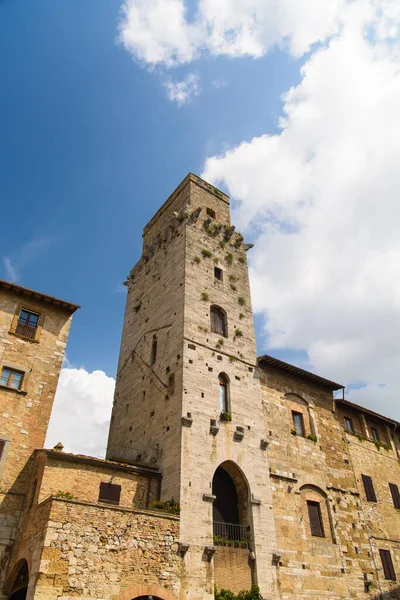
319	531
296	413
15	321
218	316
387	564
218	274
369	488
12	371
394	490
375	434
110	486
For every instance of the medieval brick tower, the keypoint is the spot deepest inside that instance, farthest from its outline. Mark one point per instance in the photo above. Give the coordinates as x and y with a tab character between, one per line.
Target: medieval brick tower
188	397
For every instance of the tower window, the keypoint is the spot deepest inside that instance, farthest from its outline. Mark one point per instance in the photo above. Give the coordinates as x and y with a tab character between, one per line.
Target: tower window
10	378
314	514
223	382
387	565
153	357
298	423
394	490
210	213
348	424
218	273
2	446
218	321
27	323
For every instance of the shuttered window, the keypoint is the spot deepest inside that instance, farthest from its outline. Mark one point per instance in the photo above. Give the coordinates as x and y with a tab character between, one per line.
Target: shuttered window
314	514
109	492
218	321
369	488
387	565
394	490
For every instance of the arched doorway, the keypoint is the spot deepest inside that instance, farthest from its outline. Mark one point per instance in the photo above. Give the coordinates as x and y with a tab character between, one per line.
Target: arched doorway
231	512
146	591
20	584
147	598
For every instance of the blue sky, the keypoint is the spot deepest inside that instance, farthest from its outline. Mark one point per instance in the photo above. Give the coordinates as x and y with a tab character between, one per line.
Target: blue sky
292	109
91	147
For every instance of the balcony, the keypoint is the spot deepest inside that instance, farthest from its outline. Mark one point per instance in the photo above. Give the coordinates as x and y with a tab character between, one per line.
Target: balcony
26	330
230	534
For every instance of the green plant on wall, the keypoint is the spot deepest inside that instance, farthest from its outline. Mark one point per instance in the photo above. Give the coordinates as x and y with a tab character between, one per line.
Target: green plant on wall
253	594
312	437
241	316
225	416
229	258
238	333
197	259
205	297
242	259
66	495
169	506
293	431
206	253
220	343
241	301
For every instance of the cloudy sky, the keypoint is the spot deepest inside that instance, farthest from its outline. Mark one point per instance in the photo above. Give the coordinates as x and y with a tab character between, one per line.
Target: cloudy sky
290	107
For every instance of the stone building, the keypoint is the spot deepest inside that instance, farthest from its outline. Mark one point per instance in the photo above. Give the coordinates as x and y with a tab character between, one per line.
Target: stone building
278	483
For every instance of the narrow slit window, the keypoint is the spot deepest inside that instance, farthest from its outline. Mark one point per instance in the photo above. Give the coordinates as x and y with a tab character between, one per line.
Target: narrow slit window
298	423
369	488
11	378
223	393
153	358
387	564
2	447
218	320
314	514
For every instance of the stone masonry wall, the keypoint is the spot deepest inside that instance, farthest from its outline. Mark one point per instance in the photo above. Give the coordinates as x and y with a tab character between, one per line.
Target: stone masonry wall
302	470
25	413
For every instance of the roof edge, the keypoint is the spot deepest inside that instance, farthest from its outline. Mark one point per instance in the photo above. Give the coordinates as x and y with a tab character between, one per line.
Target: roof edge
23	291
284	366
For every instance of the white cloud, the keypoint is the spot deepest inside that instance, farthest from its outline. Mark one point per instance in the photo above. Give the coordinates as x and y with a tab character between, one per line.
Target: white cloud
183	92
82	410
321	198
11	271
160	32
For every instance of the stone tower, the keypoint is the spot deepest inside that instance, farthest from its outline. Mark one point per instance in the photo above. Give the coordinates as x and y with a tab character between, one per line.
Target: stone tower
188	397
34	330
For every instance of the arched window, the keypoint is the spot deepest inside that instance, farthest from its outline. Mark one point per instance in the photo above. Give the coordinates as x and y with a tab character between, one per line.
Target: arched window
223	382
219	323
153	351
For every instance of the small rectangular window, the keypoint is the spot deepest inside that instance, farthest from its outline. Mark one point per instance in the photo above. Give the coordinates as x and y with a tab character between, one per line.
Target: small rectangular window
11	378
394	490
218	273
348	424
375	434
109	492
27	323
298	423
314	513
369	488
387	565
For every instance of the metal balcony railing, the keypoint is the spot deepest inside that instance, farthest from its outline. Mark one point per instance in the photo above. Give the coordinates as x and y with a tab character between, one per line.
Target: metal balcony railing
230	534
26	330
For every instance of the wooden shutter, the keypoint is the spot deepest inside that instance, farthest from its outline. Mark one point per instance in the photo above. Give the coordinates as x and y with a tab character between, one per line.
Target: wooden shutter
314	513
369	488
395	494
387	565
109	492
2	446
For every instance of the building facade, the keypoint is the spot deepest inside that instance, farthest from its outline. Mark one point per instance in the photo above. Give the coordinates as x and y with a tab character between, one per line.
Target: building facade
222	469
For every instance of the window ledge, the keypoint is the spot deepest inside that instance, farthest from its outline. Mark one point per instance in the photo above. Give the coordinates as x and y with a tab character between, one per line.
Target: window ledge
23	337
10	389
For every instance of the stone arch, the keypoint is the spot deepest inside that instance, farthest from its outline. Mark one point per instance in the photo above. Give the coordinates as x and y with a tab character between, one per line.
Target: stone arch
312	492
230	486
143	590
17	582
